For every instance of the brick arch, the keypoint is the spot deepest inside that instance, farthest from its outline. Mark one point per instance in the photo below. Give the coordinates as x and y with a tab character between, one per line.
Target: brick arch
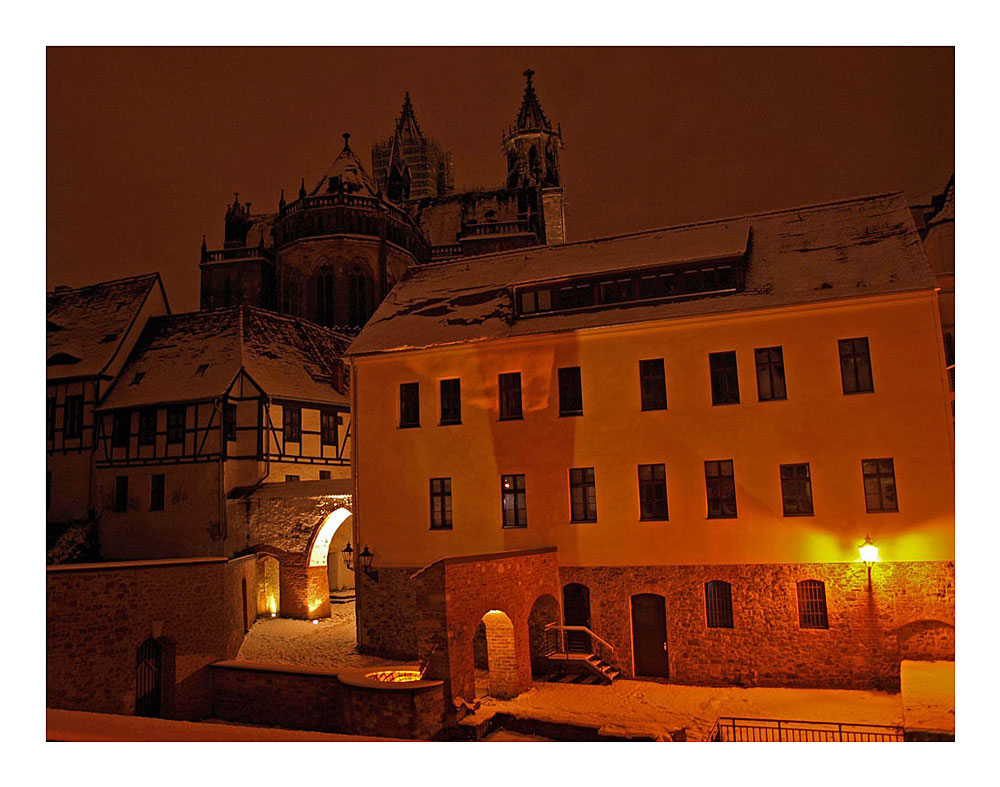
501	654
926	640
544	611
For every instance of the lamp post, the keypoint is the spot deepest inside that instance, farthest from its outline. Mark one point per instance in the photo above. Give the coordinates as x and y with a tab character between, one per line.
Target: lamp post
869	555
348	554
364	561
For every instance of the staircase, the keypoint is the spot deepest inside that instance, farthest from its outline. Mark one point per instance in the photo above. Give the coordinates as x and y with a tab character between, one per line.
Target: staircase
572	657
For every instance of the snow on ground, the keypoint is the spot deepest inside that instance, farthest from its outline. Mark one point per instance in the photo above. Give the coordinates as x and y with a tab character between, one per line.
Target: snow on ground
329	644
641	707
70	725
928	690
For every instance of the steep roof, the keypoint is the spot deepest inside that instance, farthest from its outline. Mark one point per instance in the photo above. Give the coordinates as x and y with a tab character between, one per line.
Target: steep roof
531	116
85	326
947	210
196	356
406	124
351	172
831	251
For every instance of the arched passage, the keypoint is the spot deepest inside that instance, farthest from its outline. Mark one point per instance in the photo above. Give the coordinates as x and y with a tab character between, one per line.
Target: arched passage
501	654
340	577
317	581
540	641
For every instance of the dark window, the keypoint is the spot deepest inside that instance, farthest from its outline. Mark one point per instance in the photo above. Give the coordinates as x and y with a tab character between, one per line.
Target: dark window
441	504
616	290
725	380
812	605
147	426
200	371
721	488
949	348
880	485
719	604
358	298
291	422
513	501
121	493
324	475
582	495
653	382
156	493
652	492
229	421
329	421
50	418
73	416
575	296
291	478
175	424
510	395
770	374
121	425
138	378
451	401
324	297
570	391
855	366
409	404
796	490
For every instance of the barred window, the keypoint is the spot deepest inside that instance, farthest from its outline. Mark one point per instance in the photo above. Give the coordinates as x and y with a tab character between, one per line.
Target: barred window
582	494
720	486
796	490
291	422
812	604
440	504
513	500
510	395
147	426
121	425
570	391
770	374
409	405
719	604
855	366
175	424
653	384
652	492
156	488
451	401
880	485
725	379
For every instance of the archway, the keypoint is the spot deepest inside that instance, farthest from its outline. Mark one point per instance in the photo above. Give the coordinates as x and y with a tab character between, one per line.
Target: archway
317	581
541	642
501	657
340	577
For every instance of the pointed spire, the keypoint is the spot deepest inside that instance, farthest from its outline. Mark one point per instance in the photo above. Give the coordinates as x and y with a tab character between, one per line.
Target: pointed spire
531	115
302	189
346	135
281	200
408	119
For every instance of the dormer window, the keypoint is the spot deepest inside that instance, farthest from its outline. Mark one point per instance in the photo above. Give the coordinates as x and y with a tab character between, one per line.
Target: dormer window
200	371
110	337
138	378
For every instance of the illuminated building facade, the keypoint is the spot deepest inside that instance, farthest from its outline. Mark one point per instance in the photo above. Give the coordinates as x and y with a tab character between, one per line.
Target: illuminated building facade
675	440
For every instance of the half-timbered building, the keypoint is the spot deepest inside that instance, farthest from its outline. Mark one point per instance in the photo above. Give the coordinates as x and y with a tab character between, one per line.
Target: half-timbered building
209	403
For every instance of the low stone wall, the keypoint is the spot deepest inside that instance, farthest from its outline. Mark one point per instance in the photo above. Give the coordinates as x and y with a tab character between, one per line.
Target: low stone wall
97	616
315	699
910	609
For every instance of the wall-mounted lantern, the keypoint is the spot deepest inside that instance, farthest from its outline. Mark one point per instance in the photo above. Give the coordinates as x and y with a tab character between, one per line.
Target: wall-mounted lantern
869	555
364	559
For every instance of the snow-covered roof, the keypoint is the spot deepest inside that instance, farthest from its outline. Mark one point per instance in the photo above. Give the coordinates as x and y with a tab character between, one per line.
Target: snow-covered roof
845	249
196	356
351	173
947	212
86	325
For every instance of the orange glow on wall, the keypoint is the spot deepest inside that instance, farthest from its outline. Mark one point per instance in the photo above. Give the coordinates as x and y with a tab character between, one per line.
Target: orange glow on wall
321	545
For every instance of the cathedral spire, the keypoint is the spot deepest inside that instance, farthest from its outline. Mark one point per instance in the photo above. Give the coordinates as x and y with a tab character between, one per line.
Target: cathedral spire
531	116
407	123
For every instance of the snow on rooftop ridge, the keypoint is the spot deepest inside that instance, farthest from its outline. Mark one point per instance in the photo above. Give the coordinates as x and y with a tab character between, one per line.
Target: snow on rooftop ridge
62	289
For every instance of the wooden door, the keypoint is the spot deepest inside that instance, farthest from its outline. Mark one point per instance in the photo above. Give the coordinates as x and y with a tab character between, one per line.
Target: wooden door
576	612
148	664
649	636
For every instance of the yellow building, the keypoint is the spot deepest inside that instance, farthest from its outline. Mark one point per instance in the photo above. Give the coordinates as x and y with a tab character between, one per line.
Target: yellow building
704	422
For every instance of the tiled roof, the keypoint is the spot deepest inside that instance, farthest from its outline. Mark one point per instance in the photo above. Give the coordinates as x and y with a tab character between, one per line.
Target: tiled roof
86	325
196	356
836	250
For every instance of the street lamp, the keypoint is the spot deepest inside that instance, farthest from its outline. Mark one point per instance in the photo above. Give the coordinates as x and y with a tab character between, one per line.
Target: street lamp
348	554
364	560
869	555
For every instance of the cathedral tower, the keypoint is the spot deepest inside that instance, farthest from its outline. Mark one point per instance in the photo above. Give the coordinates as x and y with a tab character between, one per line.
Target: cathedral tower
409	166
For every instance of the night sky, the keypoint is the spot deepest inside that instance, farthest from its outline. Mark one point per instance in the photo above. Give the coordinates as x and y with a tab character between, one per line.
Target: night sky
145	147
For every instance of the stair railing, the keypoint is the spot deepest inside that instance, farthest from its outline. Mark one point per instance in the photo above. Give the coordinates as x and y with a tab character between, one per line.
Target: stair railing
605	648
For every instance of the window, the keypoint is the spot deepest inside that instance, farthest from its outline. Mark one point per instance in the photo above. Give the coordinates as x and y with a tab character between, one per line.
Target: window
855	366
291	478
451	401
147	426
50	418
570	391
291	422
653	383
156	493
409	405
582	495
175	423
121	425
725	380
229	421
575	296
510	396
796	490
440	504
73	416
324	475
121	493
513	501
880	485
324	296
812	605
329	421
718	604
652	492
721	488
358	298
770	374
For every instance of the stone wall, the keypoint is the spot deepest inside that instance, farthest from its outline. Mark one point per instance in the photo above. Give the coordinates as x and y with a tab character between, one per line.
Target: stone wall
909	613
97	616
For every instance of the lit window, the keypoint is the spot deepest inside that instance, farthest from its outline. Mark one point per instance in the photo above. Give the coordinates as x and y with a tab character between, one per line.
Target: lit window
513	500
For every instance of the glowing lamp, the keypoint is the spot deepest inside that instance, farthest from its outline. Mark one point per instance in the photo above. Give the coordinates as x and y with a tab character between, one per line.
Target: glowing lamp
869	555
348	554
315	622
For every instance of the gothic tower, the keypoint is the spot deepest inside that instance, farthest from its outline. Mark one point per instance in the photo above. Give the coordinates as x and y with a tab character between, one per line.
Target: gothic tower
532	146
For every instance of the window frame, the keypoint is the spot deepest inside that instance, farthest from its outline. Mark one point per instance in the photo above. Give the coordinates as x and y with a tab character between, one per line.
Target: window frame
441	518
157	495
774	369
175	431
570	391
518	494
329	427
409	405
852	357
73	417
147	436
879	475
509	396
653	483
811	604
787	479
450	401
121	428
229	412
582	485
725	390
652	384
291	423
719	604
717	478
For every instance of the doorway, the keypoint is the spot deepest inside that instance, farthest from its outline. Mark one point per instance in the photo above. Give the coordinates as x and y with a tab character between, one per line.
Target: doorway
649	636
148	668
576	612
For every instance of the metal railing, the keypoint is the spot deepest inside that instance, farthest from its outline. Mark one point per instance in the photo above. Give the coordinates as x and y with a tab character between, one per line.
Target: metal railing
729	729
496	227
235	253
560	640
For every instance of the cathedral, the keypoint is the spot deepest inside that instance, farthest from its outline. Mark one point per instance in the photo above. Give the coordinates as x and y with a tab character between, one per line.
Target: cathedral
332	253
